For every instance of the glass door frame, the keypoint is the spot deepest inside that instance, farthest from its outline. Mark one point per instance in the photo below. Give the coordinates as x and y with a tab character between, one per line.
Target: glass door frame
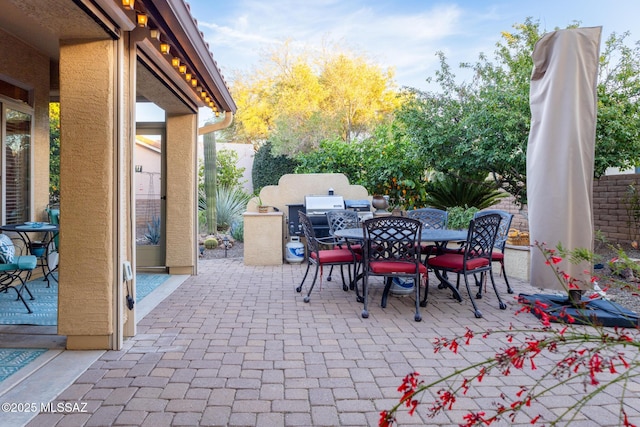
153	256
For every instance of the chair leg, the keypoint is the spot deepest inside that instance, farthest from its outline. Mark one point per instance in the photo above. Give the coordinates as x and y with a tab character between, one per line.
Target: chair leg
416	284
504	274
299	288
365	291
331	272
476	312
501	304
315	277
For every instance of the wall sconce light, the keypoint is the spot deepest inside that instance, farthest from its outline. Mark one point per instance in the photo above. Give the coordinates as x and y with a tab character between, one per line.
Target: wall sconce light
199	88
175	62
217	113
142	20
211	104
155	34
203	94
187	77
194	83
207	99
138	168
182	69
128	4
165	48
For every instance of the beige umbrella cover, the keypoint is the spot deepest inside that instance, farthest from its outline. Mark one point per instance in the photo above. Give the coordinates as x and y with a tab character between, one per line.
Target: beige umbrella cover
561	147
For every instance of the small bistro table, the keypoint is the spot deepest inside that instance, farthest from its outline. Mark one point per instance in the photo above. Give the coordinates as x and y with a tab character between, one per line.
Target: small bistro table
24	231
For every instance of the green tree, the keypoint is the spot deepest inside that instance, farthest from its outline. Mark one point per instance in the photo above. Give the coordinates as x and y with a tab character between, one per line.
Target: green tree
297	100
386	163
481	127
228	173
54	152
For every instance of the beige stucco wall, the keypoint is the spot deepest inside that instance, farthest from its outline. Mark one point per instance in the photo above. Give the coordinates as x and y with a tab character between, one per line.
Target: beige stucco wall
87	240
181	213
261	232
292	188
30	69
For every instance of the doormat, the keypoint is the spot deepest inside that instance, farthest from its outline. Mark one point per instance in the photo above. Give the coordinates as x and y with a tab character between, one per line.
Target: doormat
588	312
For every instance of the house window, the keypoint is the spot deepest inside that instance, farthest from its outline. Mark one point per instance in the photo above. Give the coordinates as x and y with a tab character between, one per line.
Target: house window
17	165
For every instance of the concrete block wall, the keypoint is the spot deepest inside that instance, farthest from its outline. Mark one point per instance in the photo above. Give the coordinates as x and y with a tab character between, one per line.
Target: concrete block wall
610	213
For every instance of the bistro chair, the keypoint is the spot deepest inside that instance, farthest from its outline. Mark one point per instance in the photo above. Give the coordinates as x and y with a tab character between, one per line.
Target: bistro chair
475	256
391	249
340	219
501	241
321	257
431	218
15	270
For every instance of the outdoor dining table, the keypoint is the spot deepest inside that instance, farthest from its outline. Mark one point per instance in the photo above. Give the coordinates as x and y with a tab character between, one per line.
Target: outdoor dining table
25	230
440	237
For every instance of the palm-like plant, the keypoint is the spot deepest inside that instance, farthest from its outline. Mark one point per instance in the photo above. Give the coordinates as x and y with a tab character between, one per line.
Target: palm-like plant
449	191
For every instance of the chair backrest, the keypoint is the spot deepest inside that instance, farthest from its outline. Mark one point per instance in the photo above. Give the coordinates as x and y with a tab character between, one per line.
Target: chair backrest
309	234
392	238
503	230
482	236
341	219
430	217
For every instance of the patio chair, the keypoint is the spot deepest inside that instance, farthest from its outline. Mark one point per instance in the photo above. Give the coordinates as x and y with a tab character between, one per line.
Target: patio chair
430	218
338	220
501	240
15	270
321	257
391	249
475	256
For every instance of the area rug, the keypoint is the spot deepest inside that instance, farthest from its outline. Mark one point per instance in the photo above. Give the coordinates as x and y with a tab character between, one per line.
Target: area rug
588	312
13	359
45	302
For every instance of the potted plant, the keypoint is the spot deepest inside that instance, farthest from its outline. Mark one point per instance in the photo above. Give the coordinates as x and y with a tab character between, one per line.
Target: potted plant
262	208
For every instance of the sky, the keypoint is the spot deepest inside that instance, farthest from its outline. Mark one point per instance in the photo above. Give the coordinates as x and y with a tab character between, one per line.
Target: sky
402	34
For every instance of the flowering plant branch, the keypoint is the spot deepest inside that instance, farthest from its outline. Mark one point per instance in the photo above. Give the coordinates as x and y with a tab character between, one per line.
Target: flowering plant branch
591	359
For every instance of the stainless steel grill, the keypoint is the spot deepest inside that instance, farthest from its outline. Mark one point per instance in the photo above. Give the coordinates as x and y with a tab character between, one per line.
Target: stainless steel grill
316	207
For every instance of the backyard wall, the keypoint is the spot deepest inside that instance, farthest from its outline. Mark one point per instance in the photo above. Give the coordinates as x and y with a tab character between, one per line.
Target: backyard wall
609	208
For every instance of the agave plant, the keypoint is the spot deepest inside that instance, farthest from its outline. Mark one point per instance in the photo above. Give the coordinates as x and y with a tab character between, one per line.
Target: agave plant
231	204
449	191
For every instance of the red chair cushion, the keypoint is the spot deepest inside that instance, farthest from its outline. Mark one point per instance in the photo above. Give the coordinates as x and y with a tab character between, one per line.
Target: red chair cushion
456	262
390	267
334	256
497	256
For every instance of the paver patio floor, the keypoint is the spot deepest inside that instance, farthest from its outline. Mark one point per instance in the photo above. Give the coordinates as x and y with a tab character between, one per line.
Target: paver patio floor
237	346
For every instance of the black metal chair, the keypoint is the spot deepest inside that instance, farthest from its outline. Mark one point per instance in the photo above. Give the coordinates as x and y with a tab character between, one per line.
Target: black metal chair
501	240
475	256
430	218
321	257
391	249
340	219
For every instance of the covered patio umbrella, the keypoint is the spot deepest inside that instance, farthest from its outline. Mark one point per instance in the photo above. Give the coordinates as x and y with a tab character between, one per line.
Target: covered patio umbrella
560	153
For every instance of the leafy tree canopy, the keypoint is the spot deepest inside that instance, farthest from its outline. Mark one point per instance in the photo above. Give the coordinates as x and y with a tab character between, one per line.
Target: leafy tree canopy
297	100
481	127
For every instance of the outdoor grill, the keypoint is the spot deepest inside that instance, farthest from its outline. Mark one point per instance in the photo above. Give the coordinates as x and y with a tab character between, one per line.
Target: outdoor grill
316	208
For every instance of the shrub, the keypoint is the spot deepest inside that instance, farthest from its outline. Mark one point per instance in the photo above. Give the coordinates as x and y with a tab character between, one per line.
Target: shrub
237	230
459	217
267	169
448	191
